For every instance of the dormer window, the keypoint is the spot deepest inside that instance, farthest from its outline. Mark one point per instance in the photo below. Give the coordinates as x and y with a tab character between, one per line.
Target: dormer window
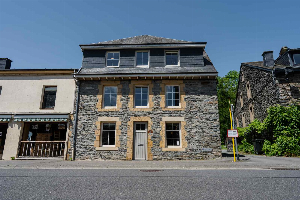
296	58
142	59
172	58
113	59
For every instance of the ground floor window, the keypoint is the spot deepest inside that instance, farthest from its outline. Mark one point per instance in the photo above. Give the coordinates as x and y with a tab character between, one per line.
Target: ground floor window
45	131
108	134
173	134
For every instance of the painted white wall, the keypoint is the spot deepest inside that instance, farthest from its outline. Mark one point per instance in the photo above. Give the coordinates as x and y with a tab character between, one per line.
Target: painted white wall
14	132
23	94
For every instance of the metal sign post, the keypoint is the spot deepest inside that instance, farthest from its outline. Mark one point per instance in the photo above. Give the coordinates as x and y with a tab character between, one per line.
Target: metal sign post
237	152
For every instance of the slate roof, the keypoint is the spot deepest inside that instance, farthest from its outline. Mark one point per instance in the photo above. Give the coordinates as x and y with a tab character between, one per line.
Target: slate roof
145	39
207	68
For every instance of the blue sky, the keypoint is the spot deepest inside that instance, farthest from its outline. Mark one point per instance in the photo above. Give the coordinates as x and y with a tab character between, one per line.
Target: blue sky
46	34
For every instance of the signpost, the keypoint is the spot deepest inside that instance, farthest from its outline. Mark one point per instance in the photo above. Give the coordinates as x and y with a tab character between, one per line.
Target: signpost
232	133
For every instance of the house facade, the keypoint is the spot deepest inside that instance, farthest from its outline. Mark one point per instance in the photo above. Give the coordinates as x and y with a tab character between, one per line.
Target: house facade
266	83
35	112
146	98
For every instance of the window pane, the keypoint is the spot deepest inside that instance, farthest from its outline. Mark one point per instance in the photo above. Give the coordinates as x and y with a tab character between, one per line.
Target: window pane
176	88
110	56
145	90
144	102
143	127
169	103
107	90
169	96
138	90
113	100
138	127
145	96
139	61
176	96
176	103
169	88
116	55
171	58
138	102
145	58
106	100
169	126
49	97
113	89
297	58
175	126
109	63
115	62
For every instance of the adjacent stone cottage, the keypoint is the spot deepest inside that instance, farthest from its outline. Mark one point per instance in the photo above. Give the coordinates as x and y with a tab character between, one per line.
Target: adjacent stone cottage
146	98
266	83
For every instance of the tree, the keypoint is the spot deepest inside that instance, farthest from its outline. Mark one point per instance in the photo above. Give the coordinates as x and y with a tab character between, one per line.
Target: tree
226	88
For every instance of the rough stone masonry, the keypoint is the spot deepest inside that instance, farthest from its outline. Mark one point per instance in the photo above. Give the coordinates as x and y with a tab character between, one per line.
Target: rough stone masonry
199	130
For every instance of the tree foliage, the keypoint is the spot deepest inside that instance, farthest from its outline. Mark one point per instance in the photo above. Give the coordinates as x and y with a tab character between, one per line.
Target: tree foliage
280	129
227	88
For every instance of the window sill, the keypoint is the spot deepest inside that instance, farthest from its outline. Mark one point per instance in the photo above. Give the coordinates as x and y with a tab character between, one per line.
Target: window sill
107	148
142	66
46	108
171	66
173	149
113	66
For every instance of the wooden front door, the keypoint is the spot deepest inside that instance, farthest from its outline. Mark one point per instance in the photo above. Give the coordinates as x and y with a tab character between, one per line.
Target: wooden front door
140	141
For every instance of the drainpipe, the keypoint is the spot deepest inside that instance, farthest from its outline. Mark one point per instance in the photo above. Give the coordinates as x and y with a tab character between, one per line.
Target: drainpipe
76	119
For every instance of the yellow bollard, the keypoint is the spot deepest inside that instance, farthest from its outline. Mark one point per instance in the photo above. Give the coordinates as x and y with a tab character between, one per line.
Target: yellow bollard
232	138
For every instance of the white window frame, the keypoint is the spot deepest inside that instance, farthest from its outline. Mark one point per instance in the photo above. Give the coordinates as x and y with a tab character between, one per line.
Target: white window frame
180	140
166	97
101	140
135	96
178	52
135	59
103	101
106	58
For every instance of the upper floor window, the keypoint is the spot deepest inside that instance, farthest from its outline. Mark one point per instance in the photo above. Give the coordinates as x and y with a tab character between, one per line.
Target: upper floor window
108	135
0	89
296	58
141	97
172	96
172	58
142	59
49	97
110	96
112	59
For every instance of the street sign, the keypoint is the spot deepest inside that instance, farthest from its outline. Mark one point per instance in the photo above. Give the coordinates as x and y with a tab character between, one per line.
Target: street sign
232	133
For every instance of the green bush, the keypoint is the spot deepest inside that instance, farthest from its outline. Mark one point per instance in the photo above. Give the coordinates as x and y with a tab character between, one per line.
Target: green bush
280	129
246	147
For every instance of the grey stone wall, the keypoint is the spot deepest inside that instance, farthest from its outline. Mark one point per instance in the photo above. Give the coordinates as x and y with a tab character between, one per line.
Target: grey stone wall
264	93
200	114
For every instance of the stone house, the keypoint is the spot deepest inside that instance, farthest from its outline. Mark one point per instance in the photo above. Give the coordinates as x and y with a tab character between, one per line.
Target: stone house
35	111
146	98
266	83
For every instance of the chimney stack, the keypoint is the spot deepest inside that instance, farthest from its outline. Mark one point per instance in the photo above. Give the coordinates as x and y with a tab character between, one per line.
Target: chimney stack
268	58
5	63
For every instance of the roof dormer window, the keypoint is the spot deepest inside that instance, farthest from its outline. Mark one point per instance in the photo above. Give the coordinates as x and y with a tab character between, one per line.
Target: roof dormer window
113	59
296	58
172	58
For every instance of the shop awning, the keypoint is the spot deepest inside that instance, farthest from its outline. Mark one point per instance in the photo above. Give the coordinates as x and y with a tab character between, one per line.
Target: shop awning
5	118
41	118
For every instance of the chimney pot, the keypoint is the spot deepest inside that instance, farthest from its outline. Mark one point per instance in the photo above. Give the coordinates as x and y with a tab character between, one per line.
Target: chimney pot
5	63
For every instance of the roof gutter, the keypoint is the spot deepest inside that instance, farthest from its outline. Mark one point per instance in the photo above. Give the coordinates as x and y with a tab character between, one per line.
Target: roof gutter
76	76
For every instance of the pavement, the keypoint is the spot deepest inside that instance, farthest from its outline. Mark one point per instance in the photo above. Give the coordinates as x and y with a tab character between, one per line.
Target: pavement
226	162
